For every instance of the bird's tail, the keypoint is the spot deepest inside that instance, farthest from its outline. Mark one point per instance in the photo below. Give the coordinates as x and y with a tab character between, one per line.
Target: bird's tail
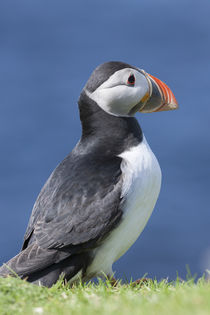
43	266
30	260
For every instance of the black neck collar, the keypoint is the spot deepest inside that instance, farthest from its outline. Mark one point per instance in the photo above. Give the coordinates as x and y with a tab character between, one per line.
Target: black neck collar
106	133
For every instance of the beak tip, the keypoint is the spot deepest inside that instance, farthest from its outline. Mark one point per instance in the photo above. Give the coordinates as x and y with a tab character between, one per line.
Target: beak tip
174	104
170	106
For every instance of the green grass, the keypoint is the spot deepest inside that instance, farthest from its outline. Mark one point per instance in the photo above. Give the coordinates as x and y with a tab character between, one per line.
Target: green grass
20	297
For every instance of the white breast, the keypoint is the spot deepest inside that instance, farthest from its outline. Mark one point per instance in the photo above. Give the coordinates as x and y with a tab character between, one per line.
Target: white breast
141	186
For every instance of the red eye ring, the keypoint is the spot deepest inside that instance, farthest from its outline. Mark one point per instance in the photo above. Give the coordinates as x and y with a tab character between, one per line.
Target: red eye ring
131	80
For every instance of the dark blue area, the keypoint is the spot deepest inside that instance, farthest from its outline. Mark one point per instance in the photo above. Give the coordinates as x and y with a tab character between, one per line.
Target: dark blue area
48	50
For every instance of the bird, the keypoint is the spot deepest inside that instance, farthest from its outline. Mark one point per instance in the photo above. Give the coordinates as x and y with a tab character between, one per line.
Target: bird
97	201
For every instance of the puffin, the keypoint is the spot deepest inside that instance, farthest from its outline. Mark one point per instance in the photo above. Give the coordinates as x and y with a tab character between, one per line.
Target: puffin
97	201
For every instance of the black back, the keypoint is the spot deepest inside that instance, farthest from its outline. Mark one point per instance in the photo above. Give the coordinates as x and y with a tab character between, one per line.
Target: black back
85	189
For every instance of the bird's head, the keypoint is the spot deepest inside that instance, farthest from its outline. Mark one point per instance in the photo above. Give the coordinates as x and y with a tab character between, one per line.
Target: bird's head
122	90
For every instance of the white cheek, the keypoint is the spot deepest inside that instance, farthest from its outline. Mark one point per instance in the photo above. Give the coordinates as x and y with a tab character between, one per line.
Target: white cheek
117	98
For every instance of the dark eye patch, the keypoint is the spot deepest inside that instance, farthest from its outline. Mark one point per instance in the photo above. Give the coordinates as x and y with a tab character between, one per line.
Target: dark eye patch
131	80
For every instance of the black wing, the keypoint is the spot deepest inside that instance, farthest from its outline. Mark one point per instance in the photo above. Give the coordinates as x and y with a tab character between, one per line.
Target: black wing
79	204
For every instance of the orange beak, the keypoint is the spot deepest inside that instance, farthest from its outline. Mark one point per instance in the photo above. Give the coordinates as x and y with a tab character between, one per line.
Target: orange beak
160	97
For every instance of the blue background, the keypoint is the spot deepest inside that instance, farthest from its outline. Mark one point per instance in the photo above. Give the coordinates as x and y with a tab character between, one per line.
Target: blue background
47	51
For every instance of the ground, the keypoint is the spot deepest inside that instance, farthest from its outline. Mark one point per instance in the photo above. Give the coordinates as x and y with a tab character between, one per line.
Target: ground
19	297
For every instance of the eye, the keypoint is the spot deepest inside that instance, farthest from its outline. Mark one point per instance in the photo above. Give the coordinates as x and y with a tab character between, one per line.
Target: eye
131	80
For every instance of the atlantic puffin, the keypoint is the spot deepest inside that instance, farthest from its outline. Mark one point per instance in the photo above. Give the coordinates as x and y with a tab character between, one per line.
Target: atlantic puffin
98	200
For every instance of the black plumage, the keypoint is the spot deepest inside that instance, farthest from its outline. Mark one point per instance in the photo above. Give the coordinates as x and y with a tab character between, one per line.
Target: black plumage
81	202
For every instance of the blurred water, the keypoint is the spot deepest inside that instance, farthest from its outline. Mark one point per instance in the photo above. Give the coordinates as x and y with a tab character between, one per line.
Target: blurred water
48	50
